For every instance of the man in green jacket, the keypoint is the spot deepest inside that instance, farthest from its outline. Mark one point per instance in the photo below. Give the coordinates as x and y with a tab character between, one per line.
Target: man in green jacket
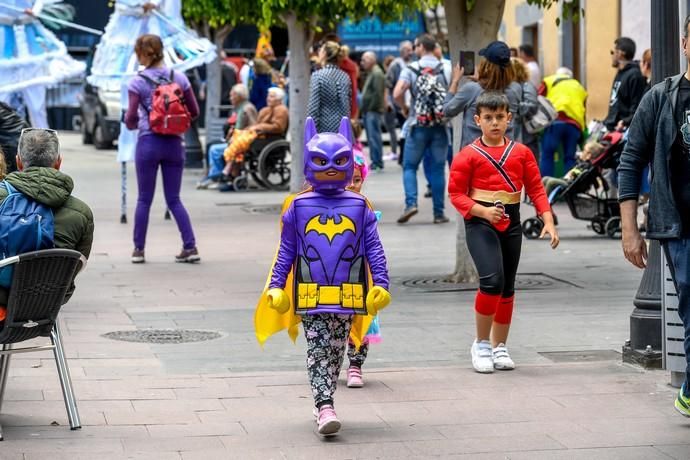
39	178
373	105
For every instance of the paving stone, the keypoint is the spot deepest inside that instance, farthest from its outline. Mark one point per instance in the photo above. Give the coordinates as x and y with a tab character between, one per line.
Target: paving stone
229	398
677	451
189	443
150	418
200	430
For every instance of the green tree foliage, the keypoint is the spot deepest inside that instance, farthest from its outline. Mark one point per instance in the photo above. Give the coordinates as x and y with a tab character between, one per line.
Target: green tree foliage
215	19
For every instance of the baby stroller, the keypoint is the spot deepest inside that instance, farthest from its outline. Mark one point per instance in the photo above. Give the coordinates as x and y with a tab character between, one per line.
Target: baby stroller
589	195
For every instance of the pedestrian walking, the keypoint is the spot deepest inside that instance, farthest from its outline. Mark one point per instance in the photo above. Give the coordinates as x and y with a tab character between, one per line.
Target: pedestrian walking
526	54
330	90
527	107
628	85
659	136
373	106
155	150
486	182
646	68
390	119
322	267
427	129
493	73
569	98
357	356
393	72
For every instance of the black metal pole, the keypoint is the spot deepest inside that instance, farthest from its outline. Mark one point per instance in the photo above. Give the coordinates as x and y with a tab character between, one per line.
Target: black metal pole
194	156
644	346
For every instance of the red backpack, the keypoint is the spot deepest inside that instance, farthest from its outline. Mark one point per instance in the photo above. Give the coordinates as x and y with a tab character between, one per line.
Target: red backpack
168	114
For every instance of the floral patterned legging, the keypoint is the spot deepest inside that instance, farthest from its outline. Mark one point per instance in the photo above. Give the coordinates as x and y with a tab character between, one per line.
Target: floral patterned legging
326	336
357	357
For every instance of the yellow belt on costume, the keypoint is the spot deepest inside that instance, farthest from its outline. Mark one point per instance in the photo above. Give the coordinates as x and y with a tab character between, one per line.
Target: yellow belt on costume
491	196
347	295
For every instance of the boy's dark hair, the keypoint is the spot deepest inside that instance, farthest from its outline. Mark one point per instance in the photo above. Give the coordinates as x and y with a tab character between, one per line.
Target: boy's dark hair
627	46
427	41
527	50
685	26
492	100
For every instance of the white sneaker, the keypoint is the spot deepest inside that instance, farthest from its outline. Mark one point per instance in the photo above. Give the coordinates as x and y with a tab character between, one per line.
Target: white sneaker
502	359
482	360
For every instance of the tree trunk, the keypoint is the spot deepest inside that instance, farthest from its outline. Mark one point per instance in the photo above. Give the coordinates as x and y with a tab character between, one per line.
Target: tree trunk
214	78
300	36
468	30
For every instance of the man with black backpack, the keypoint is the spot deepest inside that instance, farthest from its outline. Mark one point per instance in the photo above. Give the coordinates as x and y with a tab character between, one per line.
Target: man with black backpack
37	209
427	83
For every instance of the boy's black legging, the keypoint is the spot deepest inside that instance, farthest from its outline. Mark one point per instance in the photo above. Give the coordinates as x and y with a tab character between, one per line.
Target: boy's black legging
496	256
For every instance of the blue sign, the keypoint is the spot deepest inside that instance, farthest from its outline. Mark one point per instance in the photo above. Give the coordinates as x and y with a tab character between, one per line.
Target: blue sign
371	34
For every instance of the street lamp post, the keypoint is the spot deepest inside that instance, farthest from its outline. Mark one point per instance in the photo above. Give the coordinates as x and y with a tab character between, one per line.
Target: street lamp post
644	346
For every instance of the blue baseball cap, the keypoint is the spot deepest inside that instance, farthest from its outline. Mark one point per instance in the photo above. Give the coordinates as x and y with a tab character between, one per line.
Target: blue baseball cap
497	53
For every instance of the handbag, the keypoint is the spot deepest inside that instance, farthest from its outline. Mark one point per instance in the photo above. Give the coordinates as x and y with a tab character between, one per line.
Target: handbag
546	114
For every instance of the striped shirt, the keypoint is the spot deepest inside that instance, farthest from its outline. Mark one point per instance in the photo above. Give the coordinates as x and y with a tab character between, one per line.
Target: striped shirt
329	98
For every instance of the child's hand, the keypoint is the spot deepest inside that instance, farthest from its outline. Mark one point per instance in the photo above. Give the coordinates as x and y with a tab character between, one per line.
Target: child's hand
550	228
278	300
377	299
493	214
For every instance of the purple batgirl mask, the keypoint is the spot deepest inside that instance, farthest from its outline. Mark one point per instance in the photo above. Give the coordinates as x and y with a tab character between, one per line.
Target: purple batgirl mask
323	151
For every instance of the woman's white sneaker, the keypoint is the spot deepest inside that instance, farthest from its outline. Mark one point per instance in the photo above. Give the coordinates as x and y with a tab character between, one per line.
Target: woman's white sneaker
482	359
502	359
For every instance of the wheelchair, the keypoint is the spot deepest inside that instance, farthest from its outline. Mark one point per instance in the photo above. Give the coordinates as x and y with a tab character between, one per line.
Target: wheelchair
267	162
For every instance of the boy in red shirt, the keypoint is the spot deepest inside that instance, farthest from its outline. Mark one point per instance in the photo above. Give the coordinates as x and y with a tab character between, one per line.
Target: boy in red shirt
486	181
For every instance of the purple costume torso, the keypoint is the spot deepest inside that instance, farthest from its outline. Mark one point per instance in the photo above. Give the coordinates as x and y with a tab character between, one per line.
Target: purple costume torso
329	241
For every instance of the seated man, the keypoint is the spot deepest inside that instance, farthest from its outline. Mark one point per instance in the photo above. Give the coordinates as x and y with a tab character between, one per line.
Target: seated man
243	115
271	123
39	178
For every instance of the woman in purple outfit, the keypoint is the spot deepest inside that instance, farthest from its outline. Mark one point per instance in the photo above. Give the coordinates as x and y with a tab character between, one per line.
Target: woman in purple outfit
154	150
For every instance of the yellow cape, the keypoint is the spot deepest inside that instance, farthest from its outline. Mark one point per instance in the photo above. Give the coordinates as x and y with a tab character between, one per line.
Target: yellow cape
268	321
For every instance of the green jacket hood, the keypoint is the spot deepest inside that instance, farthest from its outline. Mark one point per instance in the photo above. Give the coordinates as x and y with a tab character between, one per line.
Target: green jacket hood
48	186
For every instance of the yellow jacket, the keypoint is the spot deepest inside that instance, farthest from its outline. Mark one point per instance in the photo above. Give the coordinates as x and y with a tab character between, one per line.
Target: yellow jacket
568	96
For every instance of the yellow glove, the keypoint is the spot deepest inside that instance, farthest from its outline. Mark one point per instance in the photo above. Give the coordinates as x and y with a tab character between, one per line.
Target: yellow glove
377	299
278	300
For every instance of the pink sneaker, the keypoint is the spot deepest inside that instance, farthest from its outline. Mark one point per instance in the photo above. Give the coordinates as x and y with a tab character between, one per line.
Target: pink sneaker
328	421
354	377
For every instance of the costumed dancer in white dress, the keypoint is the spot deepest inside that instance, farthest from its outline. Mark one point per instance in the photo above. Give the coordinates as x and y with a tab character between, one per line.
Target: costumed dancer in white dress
115	62
31	57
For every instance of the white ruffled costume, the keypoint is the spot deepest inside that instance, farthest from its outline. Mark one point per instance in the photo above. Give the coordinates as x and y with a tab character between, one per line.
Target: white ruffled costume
31	57
115	61
115	57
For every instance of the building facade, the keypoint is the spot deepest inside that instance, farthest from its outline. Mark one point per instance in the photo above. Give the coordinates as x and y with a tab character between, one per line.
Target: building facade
583	46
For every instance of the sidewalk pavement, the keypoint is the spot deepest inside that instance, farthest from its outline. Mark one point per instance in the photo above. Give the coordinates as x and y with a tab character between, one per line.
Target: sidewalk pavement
569	398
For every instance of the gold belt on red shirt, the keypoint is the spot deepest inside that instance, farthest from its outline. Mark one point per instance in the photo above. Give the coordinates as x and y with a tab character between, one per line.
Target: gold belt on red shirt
491	196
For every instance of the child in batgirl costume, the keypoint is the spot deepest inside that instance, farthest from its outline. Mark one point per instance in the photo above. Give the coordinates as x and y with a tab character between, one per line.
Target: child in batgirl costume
330	270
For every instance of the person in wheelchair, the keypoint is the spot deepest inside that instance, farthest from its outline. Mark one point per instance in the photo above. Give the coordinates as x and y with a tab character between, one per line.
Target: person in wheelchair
246	144
242	116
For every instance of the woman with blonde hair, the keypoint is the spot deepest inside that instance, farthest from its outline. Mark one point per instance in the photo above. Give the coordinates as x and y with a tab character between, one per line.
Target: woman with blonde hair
330	90
527	108
493	73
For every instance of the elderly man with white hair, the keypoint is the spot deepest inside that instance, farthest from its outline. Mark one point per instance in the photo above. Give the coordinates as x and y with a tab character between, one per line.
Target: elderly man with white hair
373	106
271	123
569	98
242	116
